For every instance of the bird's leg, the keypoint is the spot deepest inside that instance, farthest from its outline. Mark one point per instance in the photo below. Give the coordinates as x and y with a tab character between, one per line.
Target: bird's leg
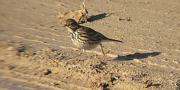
83	50
102	49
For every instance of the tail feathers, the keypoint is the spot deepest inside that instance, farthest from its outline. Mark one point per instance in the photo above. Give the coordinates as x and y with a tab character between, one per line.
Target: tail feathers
114	40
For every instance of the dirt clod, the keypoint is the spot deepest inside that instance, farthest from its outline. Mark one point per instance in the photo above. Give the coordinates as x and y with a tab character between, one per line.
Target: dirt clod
47	72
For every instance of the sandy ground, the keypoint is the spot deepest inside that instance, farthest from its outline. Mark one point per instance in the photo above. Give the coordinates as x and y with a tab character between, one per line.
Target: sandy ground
36	52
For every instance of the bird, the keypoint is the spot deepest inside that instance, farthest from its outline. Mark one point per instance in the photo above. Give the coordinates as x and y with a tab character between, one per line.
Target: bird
86	38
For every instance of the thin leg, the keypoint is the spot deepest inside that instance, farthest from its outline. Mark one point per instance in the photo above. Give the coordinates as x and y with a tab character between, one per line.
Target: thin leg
102	49
83	50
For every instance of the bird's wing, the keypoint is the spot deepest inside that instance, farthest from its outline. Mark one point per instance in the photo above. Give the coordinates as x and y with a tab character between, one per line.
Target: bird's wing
91	34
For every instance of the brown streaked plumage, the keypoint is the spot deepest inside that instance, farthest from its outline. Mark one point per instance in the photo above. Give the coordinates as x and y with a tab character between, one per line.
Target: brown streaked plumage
84	37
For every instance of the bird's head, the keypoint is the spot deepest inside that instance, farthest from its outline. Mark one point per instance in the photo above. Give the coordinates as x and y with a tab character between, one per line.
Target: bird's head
71	23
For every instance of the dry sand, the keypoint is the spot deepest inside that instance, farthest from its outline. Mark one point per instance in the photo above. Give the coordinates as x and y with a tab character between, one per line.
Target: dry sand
36	52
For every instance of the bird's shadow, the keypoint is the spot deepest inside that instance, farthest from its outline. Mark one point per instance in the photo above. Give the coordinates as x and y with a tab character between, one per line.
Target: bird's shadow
98	16
137	56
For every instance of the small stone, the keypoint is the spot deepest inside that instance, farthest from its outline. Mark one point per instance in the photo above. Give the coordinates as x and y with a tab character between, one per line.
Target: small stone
129	19
47	72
